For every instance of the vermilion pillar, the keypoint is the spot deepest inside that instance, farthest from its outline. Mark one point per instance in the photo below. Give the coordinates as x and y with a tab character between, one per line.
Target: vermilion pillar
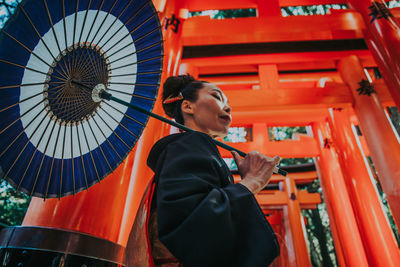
337	197
97	211
383	34
376	234
141	174
382	141
293	213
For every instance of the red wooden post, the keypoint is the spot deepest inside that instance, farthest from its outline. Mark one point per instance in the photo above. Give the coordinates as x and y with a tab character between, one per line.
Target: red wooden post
382	141
376	234
293	213
337	197
383	30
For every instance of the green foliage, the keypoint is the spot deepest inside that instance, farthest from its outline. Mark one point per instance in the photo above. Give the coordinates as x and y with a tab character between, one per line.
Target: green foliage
239	135
295	161
385	203
227	13
13	205
235	13
286	11
7	7
392	4
394	117
320	242
284	133
310	10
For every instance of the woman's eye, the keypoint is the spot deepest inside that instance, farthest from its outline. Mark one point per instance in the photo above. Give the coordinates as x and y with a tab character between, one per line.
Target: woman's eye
217	97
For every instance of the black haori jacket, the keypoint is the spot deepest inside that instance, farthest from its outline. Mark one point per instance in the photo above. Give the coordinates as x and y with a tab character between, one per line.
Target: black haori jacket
204	219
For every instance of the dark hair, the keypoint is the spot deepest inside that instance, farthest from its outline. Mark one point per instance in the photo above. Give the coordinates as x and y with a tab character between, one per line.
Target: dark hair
185	84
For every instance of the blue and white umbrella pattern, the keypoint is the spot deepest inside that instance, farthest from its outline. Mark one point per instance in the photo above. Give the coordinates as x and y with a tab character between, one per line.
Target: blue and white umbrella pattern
55	140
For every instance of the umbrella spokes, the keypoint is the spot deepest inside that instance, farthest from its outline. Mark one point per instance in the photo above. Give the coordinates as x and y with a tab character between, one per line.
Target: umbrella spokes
55	140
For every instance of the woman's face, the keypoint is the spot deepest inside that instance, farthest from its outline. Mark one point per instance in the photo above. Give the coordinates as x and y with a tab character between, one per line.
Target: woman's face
210	113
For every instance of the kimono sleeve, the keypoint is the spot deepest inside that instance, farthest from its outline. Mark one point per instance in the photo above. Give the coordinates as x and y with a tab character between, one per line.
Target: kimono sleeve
204	223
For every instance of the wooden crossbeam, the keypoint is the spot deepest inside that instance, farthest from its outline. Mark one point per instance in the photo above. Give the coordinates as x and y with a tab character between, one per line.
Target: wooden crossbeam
280	198
200	5
258	59
299	177
200	31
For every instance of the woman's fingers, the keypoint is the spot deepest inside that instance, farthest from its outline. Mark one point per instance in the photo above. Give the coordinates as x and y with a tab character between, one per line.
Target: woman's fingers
237	158
276	159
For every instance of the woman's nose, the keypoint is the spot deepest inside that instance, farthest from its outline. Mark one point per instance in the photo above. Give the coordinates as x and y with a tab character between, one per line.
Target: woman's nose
227	109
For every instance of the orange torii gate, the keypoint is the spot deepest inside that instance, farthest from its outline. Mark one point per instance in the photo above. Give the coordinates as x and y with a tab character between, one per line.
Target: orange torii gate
292	71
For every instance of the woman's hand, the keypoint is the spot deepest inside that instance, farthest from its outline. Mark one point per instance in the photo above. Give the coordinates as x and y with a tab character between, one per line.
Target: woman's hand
255	169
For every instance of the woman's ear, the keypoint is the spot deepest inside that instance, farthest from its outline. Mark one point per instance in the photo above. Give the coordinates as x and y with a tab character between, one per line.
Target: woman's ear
187	107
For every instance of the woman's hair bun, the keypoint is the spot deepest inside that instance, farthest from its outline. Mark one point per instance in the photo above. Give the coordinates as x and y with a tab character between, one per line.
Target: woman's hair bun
171	88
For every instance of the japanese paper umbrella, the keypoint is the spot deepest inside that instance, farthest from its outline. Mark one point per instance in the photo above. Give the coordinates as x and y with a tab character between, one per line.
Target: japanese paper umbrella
55	140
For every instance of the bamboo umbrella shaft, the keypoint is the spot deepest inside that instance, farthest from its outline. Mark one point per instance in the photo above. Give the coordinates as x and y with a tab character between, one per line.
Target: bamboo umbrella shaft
107	96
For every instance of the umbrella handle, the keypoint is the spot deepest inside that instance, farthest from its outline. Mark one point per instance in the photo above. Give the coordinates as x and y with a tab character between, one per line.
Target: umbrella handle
105	95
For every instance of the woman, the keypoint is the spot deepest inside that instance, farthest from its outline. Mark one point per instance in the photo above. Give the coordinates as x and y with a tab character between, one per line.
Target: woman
204	219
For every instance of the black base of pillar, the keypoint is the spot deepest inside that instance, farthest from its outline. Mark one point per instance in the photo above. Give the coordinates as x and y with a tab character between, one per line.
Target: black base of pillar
49	247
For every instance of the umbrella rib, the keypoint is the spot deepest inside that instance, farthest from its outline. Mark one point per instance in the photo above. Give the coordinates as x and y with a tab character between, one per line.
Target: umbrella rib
94	20
147	34
44	152
80	152
22	67
52	162
108	141
138	84
86	70
62	161
98	67
73	35
132	94
102	23
137	74
33	53
98	145
112	24
75	19
77	111
94	66
63	82
129	117
22	150
38	34
132	31
60	103
137	62
15	139
132	17
65	32
17	119
53	30
72	161
19	102
136	52
81	66
90	152
84	21
30	161
20	85
83	26
119	123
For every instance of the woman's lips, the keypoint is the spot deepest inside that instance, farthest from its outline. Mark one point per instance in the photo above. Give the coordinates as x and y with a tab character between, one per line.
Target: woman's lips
226	118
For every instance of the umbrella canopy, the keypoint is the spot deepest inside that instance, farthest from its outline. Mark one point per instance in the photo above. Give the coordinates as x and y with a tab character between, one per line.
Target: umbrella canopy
55	140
